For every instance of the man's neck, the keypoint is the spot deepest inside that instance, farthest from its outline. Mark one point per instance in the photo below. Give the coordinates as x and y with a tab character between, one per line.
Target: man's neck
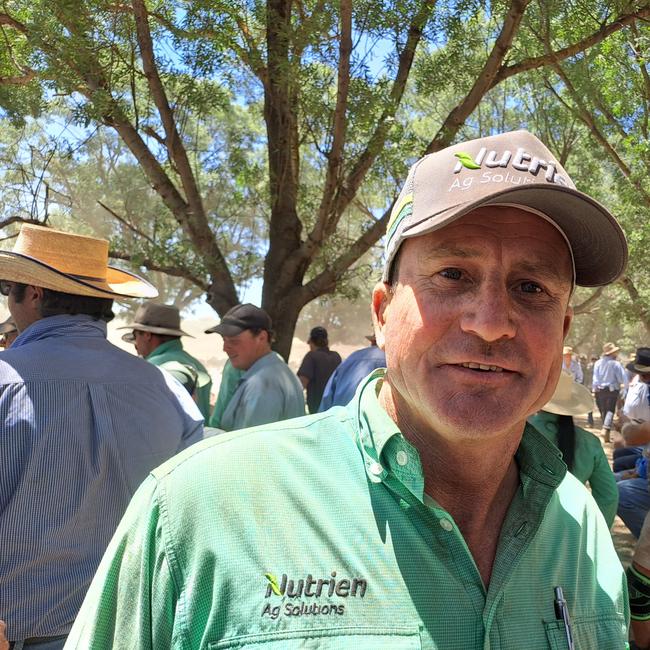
474	481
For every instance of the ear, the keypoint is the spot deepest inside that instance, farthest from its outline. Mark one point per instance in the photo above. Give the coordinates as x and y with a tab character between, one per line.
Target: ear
381	297
568	319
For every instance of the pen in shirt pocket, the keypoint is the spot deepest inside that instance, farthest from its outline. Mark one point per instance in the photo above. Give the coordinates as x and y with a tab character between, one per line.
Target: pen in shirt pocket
562	614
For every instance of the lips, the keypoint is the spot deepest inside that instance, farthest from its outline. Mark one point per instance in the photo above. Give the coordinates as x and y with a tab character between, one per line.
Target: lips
480	366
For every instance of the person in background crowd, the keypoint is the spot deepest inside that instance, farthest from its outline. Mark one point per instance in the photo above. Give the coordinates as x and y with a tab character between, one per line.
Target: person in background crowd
426	513
156	334
588	381
317	367
607	380
81	425
343	383
8	333
581	451
638	577
636	408
268	391
571	364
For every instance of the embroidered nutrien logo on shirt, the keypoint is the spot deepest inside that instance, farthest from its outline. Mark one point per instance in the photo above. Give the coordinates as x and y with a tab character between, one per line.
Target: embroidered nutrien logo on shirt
331	588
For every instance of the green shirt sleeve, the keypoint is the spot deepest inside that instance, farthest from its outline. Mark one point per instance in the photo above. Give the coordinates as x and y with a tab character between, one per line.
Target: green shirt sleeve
603	486
131	601
230	377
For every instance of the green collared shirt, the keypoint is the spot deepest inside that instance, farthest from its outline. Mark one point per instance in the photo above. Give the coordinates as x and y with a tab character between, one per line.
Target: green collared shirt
168	354
314	533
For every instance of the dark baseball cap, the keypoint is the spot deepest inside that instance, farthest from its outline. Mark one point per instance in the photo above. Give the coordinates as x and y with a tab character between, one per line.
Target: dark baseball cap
240	318
509	169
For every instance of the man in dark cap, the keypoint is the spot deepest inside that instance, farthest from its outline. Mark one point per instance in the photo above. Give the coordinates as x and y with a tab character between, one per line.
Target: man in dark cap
427	513
317	367
268	391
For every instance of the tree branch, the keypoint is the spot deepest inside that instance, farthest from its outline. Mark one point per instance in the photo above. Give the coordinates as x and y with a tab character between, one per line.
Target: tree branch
175	271
484	80
126	223
335	156
550	57
7	20
586	305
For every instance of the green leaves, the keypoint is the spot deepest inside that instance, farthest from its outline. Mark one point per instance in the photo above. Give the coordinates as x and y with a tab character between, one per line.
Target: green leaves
273	581
466	160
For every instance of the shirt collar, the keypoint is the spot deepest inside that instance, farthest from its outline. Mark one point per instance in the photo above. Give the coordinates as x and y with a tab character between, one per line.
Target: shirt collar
262	362
385	450
62	325
167	346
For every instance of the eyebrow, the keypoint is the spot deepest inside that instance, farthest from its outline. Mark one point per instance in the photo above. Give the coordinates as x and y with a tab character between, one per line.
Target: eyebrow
540	268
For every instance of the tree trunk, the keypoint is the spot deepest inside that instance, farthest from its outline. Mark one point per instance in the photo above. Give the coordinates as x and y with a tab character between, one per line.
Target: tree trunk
638	303
284	314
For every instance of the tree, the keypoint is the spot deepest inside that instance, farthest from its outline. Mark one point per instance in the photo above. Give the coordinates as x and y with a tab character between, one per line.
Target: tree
336	139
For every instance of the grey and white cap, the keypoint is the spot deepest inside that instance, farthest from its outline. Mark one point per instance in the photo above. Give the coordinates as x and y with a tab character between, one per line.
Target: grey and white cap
507	169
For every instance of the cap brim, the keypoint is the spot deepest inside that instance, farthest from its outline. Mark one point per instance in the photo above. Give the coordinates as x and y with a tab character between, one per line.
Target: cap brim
597	241
225	329
16	267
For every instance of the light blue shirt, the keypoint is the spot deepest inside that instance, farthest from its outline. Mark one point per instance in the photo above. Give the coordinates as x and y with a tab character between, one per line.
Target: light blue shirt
267	392
343	383
608	373
81	425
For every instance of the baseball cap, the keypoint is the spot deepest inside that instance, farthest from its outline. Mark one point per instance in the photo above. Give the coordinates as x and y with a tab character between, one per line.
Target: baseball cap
513	169
240	318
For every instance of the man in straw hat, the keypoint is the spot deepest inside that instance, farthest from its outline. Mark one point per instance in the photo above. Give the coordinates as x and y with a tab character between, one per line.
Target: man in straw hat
427	513
81	424
156	334
607	380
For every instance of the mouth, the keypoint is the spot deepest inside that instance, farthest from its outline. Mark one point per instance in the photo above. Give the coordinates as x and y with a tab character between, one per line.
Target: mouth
480	367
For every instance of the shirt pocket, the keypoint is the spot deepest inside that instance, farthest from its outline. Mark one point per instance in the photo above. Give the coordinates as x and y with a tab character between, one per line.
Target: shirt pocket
589	632
343	638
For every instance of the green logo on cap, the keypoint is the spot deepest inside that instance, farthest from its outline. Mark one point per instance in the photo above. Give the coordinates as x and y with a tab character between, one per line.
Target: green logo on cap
466	160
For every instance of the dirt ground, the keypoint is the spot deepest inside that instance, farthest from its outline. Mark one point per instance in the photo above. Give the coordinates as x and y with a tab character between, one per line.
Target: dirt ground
624	541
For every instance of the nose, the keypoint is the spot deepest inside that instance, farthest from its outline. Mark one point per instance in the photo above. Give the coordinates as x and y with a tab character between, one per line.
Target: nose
488	314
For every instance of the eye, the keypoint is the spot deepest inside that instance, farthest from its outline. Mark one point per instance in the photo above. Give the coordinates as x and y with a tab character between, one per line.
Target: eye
531	287
451	274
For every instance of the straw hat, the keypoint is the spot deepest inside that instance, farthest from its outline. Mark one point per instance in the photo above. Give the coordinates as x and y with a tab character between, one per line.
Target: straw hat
75	264
569	398
641	361
157	319
567	349
610	348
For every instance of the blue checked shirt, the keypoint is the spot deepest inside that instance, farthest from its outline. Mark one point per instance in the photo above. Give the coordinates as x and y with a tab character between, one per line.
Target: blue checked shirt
608	373
81	425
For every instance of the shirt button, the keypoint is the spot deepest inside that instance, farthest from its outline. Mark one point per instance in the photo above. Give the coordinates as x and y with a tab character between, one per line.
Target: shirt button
376	469
445	524
402	458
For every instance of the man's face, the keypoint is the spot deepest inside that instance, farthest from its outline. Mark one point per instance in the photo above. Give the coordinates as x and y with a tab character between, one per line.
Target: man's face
23	303
246	348
567	359
143	342
474	326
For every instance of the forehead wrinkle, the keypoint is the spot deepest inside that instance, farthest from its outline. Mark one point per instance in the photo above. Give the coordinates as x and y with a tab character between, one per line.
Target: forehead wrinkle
447	250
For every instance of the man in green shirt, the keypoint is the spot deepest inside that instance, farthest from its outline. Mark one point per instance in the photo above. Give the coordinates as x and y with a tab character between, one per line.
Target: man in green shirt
156	334
426	513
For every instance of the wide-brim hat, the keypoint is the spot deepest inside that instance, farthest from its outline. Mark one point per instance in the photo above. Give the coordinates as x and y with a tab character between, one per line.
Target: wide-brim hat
610	348
511	169
641	362
155	318
567	349
569	398
69	263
